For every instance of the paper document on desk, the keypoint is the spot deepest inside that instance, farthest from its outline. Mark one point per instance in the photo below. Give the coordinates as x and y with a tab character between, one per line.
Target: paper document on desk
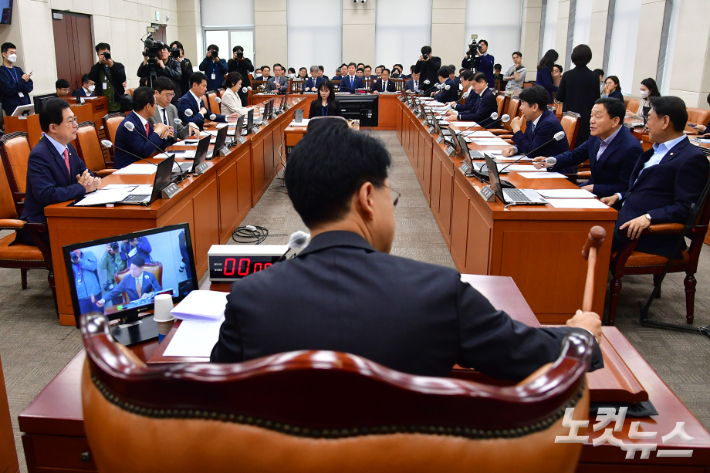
162	156
500	158
478	134
566	194
186	143
465	124
577	204
195	338
142	190
523	168
702	140
187	154
210	132
104	196
542	175
304	122
137	170
221	125
201	305
490	142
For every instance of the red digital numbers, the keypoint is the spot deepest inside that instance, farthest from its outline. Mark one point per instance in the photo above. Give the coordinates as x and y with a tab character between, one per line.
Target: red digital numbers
243	268
245	271
227	271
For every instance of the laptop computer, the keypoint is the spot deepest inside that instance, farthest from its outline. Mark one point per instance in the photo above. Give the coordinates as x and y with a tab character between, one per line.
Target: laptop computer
200	156
239	128
511	196
270	113
250	121
219	142
161	181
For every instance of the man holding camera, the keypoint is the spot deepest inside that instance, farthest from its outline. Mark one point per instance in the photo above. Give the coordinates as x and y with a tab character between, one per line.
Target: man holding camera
178	53
243	66
428	68
112	262
86	280
163	65
214	68
478	58
109	77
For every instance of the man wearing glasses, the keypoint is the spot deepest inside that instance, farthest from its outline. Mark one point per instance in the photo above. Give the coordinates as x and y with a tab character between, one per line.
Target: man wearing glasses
54	171
166	112
345	292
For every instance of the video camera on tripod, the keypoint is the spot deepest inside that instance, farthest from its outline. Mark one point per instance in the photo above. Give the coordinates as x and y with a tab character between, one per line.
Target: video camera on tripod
473	45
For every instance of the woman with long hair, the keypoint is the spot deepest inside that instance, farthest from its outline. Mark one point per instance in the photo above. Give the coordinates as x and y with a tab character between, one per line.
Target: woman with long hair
649	89
325	105
612	88
544	73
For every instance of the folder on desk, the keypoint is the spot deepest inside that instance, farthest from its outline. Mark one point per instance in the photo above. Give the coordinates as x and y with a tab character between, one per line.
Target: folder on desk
201	305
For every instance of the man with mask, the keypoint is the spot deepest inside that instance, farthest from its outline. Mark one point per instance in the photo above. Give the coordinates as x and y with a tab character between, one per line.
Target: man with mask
15	85
214	68
87	87
165	66
185	68
109	77
243	66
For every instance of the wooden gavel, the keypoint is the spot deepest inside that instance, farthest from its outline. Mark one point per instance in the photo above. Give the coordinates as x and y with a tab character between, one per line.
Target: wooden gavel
594	240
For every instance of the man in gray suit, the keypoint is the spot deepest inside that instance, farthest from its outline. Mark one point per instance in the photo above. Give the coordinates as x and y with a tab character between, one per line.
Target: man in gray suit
278	83
166	112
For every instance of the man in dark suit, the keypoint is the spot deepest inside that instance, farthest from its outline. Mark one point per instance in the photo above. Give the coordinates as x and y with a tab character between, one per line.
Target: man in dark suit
144	139
481	61
413	84
313	82
191	109
542	125
665	182
466	81
86	89
351	82
384	84
278	83
611	149
428	68
448	91
579	89
484	107
109	77
137	285
166	112
243	66
344	292
55	173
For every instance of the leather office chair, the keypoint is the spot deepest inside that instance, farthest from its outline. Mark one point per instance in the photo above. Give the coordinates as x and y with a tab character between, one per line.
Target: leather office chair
697	115
89	149
111	123
629	261
512	109
220	92
212	101
570	124
632	105
15	152
130	92
155	268
500	101
322	411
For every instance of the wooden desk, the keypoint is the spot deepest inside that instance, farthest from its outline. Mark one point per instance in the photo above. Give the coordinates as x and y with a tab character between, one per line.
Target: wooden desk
54	438
8	453
213	203
538	246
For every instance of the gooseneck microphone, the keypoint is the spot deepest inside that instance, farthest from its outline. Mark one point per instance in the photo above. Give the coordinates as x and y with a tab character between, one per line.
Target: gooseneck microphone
297	241
558	136
108	144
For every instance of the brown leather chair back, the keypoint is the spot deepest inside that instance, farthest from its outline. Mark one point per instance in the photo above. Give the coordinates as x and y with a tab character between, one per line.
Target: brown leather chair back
7	203
698	115
322	411
130	91
212	101
89	148
570	124
512	110
220	92
8	454
111	123
632	104
15	152
500	101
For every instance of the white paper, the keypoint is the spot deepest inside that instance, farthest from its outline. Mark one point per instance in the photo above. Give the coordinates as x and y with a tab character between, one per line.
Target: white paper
102	197
465	124
162	156
478	134
210	132
195	338
566	194
137	170
142	190
221	125
201	305
127	187
577	204
187	154
542	175
304	122
490	142
500	158
703	140
524	168
191	142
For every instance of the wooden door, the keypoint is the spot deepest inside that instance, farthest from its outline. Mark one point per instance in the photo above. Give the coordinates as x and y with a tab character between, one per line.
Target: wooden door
73	46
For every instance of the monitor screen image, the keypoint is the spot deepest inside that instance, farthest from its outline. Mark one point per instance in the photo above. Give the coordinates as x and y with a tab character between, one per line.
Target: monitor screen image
121	275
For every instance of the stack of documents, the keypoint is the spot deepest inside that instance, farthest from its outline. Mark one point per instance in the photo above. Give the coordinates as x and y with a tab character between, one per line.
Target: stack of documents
523	168
577	204
465	124
566	194
113	193
542	175
201	305
490	142
137	170
304	122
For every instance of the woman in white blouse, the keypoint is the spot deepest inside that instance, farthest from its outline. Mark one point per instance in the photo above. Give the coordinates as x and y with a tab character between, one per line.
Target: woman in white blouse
231	103
648	89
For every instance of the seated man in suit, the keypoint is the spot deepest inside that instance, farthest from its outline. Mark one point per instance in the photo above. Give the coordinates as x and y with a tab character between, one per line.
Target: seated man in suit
278	83
344	292
665	182
87	87
471	97
384	84
313	82
63	88
351	82
191	109
342	74
55	173
611	149
137	284
166	112
541	128
448	91
321	73
484	107
413	84
144	139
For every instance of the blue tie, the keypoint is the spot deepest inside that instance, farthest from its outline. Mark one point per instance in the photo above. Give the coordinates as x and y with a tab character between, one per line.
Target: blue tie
351	81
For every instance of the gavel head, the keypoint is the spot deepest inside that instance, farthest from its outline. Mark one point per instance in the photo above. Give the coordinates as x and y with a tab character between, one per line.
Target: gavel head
595	239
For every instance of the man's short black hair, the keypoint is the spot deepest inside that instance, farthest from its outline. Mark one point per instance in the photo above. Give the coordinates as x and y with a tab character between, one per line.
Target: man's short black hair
559	66
444	72
163	83
518	53
62	84
320	68
400	66
328	166
385	69
535	95
197	78
352	64
482	41
237	49
278	64
101	46
426	49
599	72
480	76
497	66
467	75
138	261
6	46
143	96
52	113
614	107
213	47
178	44
452	69
360	69
85	79
672	107
361	64
581	55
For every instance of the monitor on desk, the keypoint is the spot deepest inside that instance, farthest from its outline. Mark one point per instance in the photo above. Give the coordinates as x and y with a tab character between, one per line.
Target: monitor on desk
250	121
120	276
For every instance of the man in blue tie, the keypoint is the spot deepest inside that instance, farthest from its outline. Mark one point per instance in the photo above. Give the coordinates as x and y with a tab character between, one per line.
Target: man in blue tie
313	82
351	82
191	109
137	285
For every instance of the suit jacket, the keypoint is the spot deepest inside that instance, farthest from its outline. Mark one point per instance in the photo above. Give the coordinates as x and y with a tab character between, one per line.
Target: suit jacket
316	109
128	285
409	85
616	95
181	131
483	109
131	142
469	103
243	67
80	92
409	316
547	126
611	172
378	85
346	86
118	77
11	86
579	89
186	102
485	64
279	84
450	95
186	70
48	181
544	79
428	71
310	83
232	103
665	191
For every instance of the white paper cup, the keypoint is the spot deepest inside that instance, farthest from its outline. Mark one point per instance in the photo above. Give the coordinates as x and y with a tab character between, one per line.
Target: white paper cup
163	304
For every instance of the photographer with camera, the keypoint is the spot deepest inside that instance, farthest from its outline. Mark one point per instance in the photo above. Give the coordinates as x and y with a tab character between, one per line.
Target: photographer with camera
214	67
243	66
112	262
477	57
108	76
428	68
157	62
86	279
178	53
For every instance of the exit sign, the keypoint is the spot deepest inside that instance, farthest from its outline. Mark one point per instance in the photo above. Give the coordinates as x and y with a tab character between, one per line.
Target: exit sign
157	15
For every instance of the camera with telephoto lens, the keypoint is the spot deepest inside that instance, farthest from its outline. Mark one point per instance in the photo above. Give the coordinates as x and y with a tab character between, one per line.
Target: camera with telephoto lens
175	53
74	258
472	47
152	47
114	247
425	56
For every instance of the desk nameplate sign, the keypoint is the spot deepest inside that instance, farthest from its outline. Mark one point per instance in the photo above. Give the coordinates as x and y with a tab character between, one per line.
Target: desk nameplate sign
450	150
465	168
241	140
201	168
488	194
439	139
223	151
172	189
431	129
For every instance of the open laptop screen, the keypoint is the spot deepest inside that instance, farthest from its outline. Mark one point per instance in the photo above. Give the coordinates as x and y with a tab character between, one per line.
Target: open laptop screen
494	178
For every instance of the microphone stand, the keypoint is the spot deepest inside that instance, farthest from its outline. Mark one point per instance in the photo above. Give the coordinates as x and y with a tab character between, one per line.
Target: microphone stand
531	152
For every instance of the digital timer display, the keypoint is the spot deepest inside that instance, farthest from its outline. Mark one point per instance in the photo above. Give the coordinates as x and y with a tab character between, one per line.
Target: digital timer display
231	268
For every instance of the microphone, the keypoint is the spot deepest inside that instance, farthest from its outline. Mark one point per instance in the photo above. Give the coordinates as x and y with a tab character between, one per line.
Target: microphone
131	127
108	144
558	136
505	119
435	86
297	241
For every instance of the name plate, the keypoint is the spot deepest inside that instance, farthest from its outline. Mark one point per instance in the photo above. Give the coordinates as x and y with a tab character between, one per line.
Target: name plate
241	140
450	150
439	139
222	152
171	190
264	123
431	129
488	194
202	167
465	168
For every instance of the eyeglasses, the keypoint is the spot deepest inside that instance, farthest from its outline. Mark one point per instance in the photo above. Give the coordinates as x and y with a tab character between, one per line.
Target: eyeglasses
169	96
394	195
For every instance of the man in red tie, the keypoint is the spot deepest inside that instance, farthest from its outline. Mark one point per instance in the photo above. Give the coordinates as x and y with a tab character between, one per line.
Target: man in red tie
54	171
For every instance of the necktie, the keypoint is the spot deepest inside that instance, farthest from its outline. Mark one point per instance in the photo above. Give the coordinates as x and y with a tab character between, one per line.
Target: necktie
384	86
147	130
66	160
138	286
165	117
351	82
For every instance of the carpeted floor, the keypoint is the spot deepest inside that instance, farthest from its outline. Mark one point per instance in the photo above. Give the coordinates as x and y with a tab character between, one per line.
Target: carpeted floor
34	347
